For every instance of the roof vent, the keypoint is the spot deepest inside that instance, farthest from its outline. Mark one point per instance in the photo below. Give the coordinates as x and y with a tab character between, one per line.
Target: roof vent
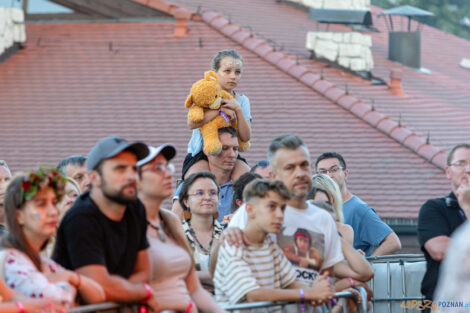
341	16
404	46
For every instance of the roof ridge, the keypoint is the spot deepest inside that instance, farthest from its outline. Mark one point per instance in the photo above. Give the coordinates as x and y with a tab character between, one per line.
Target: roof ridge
283	61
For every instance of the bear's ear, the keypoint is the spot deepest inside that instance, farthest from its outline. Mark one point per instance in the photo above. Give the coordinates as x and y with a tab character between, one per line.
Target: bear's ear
211	75
189	101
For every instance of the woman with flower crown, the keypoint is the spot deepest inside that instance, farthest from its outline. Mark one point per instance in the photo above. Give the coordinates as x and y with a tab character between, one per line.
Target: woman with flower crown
31	215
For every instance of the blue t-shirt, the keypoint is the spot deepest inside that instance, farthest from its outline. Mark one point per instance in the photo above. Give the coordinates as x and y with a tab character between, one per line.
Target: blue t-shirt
225	199
369	229
195	143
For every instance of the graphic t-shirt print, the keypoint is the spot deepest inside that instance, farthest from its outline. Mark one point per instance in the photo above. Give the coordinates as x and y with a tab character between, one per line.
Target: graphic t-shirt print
305	250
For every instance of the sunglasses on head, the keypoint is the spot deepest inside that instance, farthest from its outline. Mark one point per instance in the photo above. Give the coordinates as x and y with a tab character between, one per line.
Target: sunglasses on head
262	163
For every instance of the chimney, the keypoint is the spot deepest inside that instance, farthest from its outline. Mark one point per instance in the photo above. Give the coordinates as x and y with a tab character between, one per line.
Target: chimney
395	82
181	27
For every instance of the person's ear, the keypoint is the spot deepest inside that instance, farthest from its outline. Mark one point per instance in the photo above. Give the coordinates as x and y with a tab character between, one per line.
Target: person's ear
272	173
346	174
447	172
238	202
20	217
185	201
250	210
95	178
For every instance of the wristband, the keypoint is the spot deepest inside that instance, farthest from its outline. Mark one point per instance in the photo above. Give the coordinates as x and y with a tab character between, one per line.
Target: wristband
351	282
149	294
190	306
302	300
20	306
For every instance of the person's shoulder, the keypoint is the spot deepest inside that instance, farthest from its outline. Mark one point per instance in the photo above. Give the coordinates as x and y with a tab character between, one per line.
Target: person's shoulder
83	207
435	203
242	98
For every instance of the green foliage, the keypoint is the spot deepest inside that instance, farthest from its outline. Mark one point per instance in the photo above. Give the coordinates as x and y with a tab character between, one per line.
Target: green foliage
448	13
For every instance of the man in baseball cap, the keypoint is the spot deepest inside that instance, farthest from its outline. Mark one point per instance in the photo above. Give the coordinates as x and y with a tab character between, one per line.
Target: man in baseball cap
103	235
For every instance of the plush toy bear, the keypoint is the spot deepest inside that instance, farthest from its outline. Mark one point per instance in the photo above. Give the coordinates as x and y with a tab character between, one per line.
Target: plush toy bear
207	94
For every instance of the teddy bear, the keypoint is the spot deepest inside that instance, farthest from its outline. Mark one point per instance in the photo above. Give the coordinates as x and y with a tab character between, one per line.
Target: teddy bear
207	94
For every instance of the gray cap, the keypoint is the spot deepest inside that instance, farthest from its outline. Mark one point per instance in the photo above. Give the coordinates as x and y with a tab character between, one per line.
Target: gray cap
111	146
167	150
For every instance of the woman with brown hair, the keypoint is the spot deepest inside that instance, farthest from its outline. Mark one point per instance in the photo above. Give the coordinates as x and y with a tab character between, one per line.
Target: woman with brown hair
199	197
173	277
32	216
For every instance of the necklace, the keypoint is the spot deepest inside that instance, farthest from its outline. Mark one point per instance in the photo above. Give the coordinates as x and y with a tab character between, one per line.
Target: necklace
159	229
204	250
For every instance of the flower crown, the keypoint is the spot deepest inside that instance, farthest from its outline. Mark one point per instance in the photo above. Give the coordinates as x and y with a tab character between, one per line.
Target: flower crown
35	181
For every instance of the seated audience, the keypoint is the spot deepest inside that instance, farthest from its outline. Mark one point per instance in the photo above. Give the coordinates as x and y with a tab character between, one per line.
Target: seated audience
325	189
199	198
103	235
260	271
12	302
222	165
74	167
262	168
32	217
172	276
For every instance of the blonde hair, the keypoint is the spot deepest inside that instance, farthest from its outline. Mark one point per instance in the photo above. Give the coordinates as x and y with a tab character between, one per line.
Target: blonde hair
322	182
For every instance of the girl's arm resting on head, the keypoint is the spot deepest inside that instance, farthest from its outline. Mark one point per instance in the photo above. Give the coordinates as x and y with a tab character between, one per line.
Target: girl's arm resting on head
244	127
209	115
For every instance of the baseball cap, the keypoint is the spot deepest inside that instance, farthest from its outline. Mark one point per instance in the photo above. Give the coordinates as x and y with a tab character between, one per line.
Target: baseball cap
167	150
111	146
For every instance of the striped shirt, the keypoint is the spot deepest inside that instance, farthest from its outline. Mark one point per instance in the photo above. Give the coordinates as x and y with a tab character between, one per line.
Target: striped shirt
246	268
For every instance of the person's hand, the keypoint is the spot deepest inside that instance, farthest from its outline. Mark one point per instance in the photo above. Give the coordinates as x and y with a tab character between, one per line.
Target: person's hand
231	114
320	291
463	195
226	219
234	236
153	304
229	104
369	291
43	306
62	276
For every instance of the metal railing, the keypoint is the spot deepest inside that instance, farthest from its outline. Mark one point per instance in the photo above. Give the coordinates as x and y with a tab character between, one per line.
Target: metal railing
134	308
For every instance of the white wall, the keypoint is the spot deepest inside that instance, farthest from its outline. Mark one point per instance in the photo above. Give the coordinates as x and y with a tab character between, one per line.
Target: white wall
12	28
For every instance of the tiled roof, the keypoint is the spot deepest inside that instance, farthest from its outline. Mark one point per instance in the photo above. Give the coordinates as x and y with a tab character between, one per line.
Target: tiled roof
75	83
435	103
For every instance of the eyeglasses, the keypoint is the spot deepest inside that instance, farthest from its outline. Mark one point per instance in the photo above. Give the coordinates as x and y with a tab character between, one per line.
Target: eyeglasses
460	163
200	194
332	170
161	168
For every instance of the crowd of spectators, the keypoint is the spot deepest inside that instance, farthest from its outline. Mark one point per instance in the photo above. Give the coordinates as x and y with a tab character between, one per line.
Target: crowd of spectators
93	229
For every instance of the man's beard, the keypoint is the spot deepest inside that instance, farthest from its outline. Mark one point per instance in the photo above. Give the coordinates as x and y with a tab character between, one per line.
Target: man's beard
118	196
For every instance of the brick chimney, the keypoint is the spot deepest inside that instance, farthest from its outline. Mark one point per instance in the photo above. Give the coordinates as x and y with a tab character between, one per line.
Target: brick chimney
395	82
181	27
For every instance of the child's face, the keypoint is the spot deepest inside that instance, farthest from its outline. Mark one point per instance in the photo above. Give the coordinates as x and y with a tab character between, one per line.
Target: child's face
229	73
268	212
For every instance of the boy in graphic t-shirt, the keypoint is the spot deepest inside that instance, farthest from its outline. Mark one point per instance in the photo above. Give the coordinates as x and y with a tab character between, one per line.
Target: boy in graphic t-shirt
260	271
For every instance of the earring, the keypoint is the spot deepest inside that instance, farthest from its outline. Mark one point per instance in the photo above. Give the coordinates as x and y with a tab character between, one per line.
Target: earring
216	215
187	215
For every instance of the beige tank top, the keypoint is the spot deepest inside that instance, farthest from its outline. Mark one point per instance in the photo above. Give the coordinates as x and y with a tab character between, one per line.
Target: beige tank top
170	264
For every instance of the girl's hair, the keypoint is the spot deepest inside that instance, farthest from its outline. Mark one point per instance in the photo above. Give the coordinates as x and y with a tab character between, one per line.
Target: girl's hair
322	182
222	54
172	227
189	181
21	189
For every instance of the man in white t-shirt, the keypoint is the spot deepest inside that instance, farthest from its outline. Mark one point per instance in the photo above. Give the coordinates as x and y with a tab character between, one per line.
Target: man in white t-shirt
289	159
